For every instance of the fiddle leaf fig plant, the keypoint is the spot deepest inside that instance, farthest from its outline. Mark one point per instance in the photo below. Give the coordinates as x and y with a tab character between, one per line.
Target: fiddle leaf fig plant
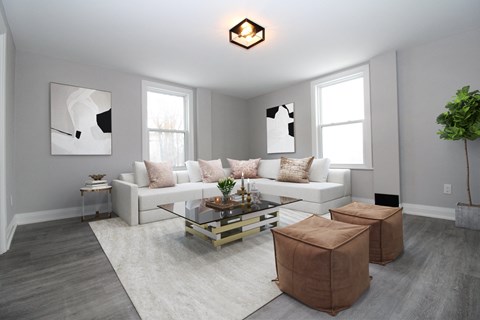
462	122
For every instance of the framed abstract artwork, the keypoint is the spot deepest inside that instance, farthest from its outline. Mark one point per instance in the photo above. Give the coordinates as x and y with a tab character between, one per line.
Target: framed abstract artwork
280	129
80	120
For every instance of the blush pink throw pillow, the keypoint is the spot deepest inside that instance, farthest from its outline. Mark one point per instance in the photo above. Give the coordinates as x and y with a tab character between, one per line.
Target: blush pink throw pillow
248	167
212	170
160	174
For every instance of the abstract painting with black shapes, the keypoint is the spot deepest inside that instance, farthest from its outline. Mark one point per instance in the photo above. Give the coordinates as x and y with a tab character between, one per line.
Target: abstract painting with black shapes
81	120
281	129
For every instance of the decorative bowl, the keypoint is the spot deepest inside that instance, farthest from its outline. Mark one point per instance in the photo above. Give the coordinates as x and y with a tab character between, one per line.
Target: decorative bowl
97	176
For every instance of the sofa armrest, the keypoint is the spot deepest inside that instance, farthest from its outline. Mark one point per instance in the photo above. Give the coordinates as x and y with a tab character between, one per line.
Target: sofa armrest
125	201
341	176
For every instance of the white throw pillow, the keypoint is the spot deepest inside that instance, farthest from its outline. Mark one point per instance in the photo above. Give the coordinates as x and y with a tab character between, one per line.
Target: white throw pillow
141	174
269	168
319	170
194	172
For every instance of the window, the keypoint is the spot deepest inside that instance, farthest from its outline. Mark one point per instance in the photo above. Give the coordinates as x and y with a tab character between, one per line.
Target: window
167	123
341	109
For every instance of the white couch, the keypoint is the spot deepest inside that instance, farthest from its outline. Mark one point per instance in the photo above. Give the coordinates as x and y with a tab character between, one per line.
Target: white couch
136	204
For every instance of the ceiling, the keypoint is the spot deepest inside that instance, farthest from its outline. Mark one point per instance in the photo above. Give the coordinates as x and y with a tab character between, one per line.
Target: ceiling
186	41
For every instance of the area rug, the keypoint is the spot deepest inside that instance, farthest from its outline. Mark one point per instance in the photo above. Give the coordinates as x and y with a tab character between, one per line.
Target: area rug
170	276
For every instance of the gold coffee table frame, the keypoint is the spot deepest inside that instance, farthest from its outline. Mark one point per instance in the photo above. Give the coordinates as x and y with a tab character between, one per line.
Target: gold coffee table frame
233	228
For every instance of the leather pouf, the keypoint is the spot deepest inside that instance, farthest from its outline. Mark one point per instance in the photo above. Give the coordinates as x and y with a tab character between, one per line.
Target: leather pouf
322	263
386	228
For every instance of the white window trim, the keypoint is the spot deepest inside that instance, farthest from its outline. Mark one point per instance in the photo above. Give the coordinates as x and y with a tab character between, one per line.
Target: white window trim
367	129
168	89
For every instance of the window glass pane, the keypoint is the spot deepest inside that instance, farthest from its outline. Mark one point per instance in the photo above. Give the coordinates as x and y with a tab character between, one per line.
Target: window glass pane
167	146
342	102
165	111
343	144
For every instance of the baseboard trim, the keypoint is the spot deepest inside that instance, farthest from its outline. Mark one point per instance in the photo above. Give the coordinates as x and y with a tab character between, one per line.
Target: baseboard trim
11	231
429	211
56	214
419	210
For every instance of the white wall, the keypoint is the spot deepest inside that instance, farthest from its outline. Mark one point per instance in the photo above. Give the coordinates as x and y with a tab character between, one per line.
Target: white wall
46	182
6	210
298	94
428	76
384	110
230	127
362	180
204	124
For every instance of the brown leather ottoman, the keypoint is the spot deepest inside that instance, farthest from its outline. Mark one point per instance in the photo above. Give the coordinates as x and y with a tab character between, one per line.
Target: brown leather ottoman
322	263
386	228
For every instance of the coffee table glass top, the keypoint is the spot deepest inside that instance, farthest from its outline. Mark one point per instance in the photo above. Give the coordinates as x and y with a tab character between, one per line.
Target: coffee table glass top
198	212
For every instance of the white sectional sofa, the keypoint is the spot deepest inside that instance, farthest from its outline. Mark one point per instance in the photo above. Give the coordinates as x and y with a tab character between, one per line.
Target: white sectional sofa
136	203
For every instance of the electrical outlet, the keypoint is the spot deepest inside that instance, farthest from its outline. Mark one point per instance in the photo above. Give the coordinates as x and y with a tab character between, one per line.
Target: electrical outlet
447	189
11	201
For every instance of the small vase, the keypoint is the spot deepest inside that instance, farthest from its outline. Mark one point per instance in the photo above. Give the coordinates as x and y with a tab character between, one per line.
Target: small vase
225	198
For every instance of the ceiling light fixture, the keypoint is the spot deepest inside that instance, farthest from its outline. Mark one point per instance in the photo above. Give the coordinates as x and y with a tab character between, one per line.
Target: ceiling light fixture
247	34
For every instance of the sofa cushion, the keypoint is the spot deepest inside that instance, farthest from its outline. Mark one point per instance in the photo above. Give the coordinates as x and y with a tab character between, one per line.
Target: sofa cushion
294	170
194	172
249	168
314	191
182	176
319	170
141	175
211	170
149	199
160	174
127	177
269	168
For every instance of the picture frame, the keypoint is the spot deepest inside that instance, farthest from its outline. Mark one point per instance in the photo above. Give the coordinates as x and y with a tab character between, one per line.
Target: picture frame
281	128
80	120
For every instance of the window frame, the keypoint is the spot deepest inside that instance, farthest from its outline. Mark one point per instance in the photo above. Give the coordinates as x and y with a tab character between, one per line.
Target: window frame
150	86
335	78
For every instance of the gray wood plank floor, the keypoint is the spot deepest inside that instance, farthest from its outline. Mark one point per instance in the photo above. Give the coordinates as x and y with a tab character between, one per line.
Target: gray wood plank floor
57	270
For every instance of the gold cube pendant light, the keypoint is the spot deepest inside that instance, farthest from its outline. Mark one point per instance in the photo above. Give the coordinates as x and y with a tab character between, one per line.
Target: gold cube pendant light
247	34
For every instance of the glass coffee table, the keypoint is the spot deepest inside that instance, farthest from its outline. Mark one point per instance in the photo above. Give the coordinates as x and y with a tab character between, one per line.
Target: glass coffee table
222	226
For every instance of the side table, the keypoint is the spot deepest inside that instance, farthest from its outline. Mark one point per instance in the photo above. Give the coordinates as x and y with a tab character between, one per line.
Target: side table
98	215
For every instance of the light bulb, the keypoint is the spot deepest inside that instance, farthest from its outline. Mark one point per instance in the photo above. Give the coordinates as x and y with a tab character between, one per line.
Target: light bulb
246	29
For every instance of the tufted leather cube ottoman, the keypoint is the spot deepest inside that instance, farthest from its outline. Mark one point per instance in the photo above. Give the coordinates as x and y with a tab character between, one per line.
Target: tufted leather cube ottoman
386	228
322	263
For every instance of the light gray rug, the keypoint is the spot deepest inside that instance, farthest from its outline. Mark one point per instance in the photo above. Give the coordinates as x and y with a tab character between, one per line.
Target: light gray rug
170	276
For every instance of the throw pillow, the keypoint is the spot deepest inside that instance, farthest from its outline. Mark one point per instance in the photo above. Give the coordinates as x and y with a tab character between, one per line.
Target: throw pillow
141	175
319	170
160	174
269	168
294	170
211	170
193	169
248	167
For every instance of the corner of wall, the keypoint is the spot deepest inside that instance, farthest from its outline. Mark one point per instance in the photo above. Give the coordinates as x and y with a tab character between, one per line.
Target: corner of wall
12	227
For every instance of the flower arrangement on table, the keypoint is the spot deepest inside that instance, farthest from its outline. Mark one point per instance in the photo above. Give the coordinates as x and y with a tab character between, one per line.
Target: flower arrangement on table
225	185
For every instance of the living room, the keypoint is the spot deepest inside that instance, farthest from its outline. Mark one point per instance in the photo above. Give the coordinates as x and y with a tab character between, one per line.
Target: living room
415	73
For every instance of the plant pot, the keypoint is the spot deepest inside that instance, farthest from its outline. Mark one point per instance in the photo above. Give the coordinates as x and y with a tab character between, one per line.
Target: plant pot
225	198
467	216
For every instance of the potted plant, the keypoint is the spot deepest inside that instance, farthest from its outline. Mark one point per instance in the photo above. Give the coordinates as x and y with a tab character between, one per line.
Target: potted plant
462	122
225	185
